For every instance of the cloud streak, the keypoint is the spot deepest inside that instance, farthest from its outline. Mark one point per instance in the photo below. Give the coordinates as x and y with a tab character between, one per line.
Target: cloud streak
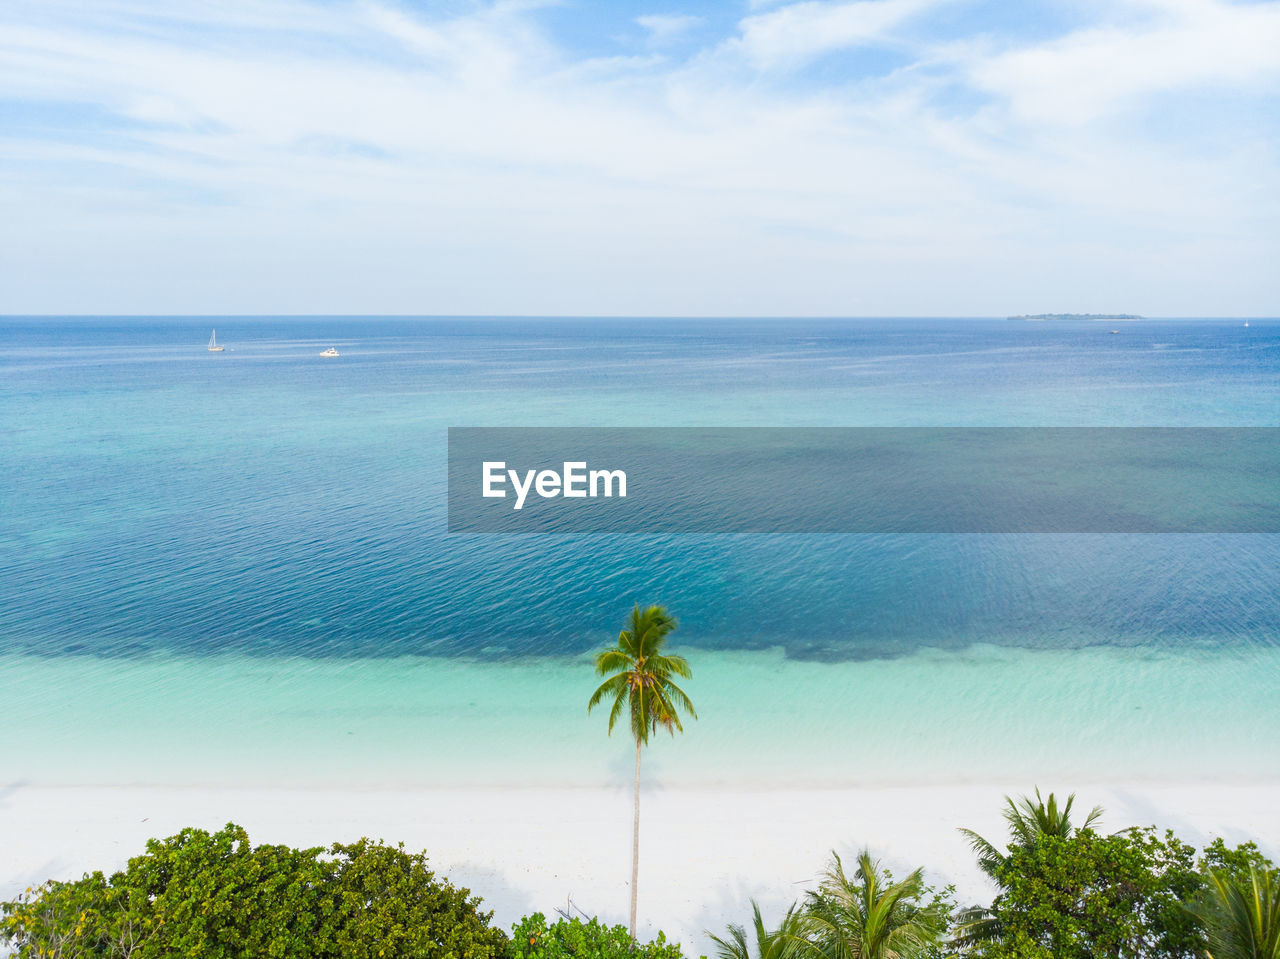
666	28
1190	45
797	33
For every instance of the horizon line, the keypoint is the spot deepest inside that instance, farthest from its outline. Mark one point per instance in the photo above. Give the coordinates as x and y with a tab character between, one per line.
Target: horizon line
1099	317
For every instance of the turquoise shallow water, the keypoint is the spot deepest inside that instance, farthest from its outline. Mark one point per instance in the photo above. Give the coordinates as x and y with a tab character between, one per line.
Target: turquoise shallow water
232	567
985	714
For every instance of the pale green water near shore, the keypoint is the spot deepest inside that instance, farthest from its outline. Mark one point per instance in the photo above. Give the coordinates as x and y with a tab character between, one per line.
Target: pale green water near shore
983	714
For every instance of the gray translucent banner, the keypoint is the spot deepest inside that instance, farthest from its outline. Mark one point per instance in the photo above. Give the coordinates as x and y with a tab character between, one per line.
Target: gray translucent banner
864	480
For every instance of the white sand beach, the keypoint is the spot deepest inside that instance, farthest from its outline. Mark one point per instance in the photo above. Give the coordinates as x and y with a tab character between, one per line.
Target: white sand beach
704	851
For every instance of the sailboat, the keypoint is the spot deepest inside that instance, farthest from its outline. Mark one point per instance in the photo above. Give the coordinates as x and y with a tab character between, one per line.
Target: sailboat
1246	322
213	343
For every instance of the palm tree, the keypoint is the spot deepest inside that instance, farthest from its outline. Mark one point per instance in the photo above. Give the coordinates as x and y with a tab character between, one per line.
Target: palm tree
869	916
640	683
1242	914
780	943
1028	821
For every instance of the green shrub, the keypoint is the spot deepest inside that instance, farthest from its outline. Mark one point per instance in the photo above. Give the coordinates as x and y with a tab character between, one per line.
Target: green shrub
532	938
1087	896
382	901
215	896
1237	863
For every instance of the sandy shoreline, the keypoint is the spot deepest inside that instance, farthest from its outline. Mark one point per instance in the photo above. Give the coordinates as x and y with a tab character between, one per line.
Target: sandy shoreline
704	851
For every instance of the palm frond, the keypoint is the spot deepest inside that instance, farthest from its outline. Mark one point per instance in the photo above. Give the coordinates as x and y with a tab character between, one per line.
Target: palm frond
664	714
868	916
640	712
614	684
612	660
619	704
680	698
784	942
791	940
734	946
1094	815
642	682
1028	820
628	644
976	924
1241	914
666	665
990	859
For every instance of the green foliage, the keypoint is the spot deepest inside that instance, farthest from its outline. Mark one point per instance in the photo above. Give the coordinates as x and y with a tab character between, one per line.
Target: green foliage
1064	893
640	676
383	901
1028	821
1238	862
1240	903
215	896
62	919
869	916
532	938
1067	892
1085	896
863	916
781	943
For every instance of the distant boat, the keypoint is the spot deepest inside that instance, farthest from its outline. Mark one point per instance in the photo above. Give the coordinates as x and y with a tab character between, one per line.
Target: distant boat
1246	322
1114	331
213	343
329	352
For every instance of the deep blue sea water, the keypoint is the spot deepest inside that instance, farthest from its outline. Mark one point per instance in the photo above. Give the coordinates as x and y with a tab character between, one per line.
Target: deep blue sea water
163	504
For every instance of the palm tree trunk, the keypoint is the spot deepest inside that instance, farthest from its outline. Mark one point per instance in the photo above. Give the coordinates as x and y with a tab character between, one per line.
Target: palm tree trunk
635	846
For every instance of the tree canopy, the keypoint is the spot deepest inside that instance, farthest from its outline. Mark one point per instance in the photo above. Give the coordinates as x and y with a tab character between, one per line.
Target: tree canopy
216	896
641	681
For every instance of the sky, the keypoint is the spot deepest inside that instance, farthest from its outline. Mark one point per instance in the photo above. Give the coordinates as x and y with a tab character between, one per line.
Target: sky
591	157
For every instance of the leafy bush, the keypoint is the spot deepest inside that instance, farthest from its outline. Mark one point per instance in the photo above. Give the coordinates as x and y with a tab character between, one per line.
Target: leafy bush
532	938
1087	896
1237	863
217	896
382	901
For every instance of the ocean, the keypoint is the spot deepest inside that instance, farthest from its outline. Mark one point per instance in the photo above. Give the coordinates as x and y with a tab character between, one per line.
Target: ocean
234	567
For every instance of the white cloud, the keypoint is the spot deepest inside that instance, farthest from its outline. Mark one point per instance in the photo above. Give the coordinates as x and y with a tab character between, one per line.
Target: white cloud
665	28
1094	72
388	161
799	32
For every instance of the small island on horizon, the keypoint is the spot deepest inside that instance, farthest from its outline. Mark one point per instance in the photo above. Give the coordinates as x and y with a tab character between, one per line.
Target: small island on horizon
1078	316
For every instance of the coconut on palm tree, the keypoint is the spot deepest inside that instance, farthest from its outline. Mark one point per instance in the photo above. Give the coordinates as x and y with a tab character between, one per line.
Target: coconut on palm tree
869	916
1028	821
640	684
